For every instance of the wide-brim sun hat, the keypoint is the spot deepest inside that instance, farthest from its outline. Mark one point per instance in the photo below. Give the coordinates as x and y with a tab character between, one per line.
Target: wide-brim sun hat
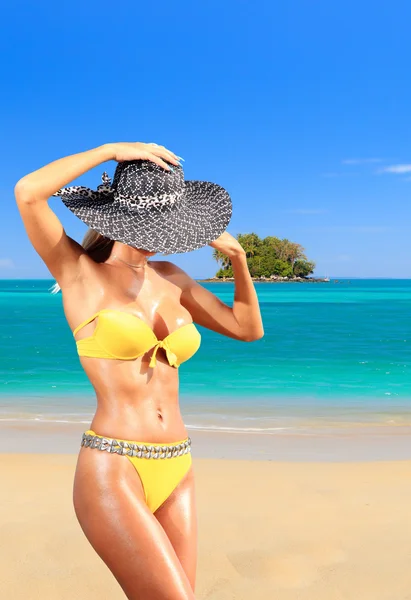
152	209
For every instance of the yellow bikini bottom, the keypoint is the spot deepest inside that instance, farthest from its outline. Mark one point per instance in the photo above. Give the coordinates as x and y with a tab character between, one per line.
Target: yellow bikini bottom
158	477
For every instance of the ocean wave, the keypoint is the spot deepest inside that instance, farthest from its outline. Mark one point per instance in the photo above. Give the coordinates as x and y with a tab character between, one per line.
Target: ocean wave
38	420
237	425
196	426
237	429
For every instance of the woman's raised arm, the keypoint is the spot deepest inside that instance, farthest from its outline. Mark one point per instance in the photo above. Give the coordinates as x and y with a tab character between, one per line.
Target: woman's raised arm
61	253
243	320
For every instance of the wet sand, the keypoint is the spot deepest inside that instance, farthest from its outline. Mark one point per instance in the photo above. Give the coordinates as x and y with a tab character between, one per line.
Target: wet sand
349	442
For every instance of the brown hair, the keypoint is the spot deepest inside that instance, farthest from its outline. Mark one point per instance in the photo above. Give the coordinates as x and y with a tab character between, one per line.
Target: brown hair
97	246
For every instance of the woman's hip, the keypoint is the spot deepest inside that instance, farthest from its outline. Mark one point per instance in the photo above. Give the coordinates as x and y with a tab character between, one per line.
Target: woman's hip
160	467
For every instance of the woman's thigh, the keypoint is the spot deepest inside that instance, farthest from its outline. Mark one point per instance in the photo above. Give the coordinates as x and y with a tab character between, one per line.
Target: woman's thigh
178	517
110	507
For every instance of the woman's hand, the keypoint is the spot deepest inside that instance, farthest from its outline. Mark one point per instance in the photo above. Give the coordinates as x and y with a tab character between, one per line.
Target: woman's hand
228	245
139	151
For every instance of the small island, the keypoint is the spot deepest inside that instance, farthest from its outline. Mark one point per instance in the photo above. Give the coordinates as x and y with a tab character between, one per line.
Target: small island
270	260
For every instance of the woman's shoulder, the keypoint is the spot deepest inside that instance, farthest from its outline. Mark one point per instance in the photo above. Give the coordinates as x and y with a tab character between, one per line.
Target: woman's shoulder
165	266
173	272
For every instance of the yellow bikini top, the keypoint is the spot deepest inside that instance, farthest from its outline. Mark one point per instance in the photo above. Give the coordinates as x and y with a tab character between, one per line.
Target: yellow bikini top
122	335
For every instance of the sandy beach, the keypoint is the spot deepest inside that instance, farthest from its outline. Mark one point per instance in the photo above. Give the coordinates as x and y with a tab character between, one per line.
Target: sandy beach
268	530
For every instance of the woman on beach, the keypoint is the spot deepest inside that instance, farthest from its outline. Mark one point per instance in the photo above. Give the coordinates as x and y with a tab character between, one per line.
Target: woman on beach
133	323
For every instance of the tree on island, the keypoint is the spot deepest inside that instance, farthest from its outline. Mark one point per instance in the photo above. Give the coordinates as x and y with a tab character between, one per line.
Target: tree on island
268	256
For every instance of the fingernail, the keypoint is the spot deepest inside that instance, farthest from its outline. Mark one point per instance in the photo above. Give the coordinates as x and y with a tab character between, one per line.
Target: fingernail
171	169
180	158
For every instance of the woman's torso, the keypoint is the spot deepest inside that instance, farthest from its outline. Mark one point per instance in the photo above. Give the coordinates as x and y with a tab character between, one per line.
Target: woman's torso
134	401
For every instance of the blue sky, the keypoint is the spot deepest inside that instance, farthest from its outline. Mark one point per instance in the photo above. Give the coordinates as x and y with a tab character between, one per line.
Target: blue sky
300	109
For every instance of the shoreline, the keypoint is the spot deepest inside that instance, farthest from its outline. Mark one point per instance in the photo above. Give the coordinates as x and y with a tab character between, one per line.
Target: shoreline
248	414
371	443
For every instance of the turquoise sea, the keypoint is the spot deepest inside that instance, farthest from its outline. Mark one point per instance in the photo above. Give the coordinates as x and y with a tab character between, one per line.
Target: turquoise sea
332	352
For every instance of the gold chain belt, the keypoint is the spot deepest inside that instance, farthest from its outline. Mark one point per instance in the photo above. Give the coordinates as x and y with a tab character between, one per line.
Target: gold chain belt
134	449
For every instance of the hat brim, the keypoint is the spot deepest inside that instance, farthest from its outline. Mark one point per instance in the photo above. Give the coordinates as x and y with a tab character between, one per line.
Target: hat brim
197	219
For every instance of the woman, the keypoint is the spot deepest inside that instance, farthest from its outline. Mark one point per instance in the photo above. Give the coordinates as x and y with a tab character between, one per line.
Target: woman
132	320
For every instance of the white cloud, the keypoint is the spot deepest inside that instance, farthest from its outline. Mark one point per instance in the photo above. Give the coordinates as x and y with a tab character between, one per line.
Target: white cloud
399	169
360	161
6	263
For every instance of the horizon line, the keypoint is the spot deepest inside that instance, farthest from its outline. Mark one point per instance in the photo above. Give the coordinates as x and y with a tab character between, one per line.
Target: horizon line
210	277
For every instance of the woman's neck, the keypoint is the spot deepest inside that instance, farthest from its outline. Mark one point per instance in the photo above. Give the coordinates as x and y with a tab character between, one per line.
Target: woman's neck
130	255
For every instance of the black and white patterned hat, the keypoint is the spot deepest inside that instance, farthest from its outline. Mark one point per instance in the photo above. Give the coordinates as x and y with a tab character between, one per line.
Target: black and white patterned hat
152	209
